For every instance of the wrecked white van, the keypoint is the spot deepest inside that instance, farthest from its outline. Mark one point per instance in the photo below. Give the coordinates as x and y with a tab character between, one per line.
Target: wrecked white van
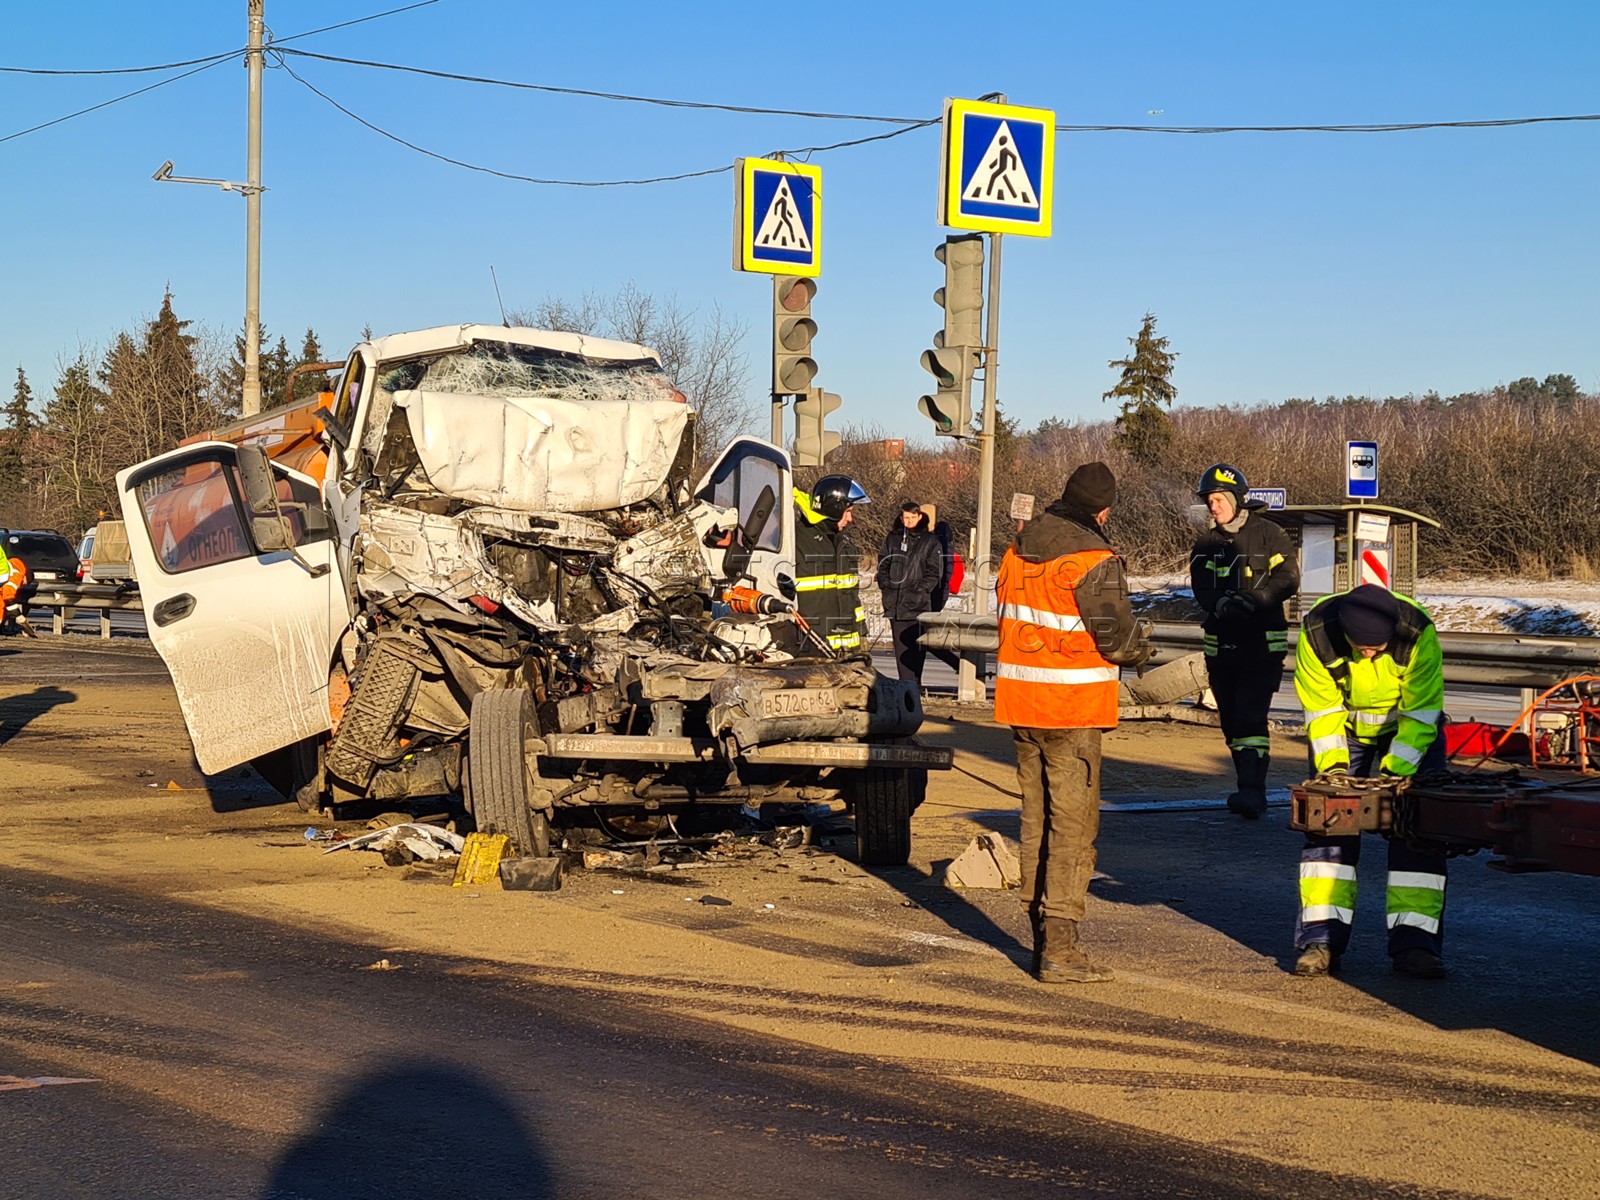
481	569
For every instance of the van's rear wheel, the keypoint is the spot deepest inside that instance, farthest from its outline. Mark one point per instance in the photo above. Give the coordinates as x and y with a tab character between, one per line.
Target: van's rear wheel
497	771
883	799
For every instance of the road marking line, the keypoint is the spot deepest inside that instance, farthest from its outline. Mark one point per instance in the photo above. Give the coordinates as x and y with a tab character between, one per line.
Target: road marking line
17	1083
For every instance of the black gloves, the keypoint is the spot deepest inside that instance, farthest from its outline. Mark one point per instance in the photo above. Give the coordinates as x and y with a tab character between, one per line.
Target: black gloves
1234	604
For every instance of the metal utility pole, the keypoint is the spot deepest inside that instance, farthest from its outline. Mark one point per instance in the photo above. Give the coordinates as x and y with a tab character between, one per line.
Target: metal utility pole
251	403
970	686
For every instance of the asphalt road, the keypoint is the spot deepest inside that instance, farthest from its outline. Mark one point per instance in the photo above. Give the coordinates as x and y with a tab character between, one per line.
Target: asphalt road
437	1080
875	1037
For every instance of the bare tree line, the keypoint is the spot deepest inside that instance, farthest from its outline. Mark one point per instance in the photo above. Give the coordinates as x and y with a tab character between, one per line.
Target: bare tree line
1511	473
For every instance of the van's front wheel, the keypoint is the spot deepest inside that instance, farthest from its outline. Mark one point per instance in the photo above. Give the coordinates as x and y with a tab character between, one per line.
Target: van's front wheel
497	771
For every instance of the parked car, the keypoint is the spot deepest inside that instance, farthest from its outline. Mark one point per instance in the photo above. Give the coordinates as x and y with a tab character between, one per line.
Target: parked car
48	556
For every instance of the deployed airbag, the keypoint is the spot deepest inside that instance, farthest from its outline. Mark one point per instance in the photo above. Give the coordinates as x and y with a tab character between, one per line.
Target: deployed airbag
544	454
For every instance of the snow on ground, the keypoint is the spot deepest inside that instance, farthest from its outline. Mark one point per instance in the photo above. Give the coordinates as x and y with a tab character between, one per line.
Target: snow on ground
1556	608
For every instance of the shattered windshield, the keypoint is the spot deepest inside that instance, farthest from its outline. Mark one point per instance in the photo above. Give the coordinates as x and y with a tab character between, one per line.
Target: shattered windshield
505	370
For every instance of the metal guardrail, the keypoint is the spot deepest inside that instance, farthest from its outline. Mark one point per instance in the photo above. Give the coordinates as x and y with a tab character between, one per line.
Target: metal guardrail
64	599
1485	659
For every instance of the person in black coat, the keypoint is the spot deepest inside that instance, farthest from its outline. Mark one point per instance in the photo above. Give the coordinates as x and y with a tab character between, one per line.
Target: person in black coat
910	570
1242	570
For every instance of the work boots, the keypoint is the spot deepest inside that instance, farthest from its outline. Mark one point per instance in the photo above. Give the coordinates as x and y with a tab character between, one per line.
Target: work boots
1058	958
1250	767
1317	959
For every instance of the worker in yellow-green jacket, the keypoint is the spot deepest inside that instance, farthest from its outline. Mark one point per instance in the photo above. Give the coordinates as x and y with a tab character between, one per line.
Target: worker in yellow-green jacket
1370	677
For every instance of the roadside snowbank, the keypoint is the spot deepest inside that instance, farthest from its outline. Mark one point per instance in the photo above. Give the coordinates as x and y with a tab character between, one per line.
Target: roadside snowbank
1548	609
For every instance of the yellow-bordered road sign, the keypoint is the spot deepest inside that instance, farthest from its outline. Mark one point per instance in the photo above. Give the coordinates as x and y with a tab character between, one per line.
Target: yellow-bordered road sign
777	217
998	169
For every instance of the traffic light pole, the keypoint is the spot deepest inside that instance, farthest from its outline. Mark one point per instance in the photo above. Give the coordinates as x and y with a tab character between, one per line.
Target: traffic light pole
971	687
777	400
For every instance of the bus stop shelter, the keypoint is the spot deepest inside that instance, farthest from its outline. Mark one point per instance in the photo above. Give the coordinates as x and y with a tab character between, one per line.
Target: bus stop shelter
1342	546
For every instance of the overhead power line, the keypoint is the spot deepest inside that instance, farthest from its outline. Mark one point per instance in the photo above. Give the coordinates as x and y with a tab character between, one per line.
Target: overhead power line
1393	127
758	110
210	60
358	21
595	95
199	64
664	102
115	100
802	152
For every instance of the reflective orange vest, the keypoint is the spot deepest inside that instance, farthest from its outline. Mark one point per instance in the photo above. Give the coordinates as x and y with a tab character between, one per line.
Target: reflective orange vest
12	581
1050	675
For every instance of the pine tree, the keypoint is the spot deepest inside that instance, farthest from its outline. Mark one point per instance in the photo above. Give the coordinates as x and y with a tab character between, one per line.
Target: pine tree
275	368
230	380
1143	428
16	445
154	393
309	384
178	393
74	475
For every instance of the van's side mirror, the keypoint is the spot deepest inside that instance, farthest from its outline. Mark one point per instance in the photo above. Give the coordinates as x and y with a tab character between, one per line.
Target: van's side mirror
269	528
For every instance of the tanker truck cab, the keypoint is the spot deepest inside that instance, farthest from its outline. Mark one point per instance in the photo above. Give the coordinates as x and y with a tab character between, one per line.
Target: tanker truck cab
491	575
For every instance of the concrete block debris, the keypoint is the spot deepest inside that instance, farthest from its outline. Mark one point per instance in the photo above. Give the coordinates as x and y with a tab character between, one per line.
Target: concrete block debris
988	862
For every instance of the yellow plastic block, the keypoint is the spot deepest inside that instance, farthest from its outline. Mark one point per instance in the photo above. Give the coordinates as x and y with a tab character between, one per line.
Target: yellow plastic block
480	859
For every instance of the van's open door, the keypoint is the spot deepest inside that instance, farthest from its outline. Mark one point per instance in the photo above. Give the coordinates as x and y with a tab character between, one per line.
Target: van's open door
754	477
248	636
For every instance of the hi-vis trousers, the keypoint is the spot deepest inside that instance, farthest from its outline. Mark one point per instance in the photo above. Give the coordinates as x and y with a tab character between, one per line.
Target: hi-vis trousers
1414	899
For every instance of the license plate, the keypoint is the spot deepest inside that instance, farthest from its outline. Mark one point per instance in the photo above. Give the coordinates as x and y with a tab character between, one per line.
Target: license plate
799	702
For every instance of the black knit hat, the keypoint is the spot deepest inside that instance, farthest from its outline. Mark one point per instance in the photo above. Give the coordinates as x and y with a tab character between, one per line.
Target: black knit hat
1091	487
1369	615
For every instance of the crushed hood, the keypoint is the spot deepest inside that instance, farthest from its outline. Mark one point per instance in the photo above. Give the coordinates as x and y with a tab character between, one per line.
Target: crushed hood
541	453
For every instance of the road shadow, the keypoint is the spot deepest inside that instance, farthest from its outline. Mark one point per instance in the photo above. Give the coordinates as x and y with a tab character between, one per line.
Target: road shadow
413	1132
1522	949
17	711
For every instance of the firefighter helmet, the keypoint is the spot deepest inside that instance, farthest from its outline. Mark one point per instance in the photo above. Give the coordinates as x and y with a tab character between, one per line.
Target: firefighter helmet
1223	478
835	493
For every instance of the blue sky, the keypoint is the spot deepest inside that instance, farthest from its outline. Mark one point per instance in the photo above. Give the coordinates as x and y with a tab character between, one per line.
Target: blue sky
1279	264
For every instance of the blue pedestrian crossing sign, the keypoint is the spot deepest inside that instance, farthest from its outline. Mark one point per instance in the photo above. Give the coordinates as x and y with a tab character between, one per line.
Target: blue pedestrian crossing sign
777	217
998	174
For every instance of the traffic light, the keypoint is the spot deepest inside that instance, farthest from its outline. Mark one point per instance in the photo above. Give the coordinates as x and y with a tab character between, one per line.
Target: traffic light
793	368
958	347
961	297
950	407
812	442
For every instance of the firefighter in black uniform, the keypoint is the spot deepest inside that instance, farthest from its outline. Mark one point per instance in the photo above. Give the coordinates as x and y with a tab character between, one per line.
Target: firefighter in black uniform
1242	570
826	584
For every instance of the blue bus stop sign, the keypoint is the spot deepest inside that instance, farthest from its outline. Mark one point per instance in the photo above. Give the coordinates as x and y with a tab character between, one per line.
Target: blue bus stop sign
1361	470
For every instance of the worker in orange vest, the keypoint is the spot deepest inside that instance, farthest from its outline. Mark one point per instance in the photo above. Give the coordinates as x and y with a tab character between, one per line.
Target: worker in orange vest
12	582
1065	629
